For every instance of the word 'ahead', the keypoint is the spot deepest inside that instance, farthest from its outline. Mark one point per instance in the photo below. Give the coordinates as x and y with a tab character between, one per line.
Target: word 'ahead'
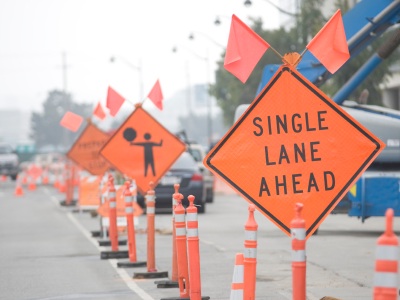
293	144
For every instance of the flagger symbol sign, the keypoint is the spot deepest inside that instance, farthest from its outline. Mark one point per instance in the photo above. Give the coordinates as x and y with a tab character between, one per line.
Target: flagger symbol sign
142	149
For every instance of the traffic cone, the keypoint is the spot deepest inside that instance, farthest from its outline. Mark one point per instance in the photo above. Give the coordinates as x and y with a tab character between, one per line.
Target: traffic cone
386	263
18	189
32	184
3	178
250	255
298	232
238	278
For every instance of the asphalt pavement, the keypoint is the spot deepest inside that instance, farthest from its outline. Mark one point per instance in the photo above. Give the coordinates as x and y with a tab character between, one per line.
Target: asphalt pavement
47	251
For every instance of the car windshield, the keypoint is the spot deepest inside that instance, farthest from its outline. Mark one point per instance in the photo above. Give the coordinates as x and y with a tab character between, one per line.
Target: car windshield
185	161
5	149
195	153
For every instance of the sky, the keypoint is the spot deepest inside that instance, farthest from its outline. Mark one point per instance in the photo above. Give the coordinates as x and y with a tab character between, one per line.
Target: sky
67	44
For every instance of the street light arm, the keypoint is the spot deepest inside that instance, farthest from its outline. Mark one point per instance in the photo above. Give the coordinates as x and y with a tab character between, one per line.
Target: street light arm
191	37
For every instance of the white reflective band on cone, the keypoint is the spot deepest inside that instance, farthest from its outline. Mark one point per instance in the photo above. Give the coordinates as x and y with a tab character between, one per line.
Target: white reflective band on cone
236	295
250	252
150	198
385	279
238	274
250	235
298	233
192	232
113	204
111	194
298	255
128	199
180	231
387	252
191	217
179	218
150	210
129	210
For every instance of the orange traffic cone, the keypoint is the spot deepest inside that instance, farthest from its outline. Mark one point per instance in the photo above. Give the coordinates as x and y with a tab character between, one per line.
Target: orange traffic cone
18	189
3	178
32	185
238	278
386	263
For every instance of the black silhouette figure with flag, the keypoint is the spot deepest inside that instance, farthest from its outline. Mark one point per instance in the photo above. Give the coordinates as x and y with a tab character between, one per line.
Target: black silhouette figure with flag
130	135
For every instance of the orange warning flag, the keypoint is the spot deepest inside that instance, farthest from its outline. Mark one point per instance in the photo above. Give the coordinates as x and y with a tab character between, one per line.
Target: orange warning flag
71	121
99	112
114	101
245	48
329	45
85	150
156	95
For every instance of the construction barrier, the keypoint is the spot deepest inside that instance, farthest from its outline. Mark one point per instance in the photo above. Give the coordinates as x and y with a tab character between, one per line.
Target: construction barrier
298	233
250	255
237	278
387	263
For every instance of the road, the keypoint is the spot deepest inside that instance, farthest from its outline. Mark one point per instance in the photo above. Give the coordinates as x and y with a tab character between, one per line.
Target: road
48	252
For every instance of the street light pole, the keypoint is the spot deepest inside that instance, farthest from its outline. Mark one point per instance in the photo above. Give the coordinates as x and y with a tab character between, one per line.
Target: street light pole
134	67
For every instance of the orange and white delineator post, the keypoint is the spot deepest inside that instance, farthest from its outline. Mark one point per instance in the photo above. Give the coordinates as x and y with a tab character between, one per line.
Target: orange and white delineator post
150	211
387	263
237	278
174	274
151	259
130	222
181	247
298	233
250	255
113	230
192	233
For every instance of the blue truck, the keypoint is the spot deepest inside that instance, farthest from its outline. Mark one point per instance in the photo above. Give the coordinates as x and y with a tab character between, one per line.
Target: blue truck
379	186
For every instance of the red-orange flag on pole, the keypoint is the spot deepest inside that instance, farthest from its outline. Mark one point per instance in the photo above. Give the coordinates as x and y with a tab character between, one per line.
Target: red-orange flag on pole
156	95
99	112
329	45
245	48
71	121
114	101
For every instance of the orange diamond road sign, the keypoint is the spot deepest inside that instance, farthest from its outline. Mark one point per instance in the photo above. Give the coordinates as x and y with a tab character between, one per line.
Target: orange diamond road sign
85	150
142	149
293	144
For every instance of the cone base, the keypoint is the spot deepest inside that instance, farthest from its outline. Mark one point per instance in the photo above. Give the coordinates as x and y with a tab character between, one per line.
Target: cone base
108	242
130	264
166	284
185	298
113	254
150	275
71	203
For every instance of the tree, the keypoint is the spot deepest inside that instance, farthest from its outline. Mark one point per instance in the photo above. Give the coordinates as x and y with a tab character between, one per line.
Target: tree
46	130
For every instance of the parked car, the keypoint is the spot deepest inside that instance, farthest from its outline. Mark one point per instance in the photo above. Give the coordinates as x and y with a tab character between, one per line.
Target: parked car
9	162
198	153
187	174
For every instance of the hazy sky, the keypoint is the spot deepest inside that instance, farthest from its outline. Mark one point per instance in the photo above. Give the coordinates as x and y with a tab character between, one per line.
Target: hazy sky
34	34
